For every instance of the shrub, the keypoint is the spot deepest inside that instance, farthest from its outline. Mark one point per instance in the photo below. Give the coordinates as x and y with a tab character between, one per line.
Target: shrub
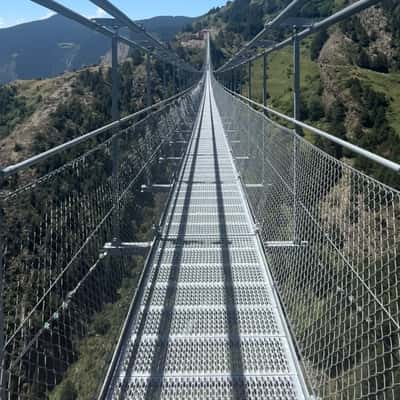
68	391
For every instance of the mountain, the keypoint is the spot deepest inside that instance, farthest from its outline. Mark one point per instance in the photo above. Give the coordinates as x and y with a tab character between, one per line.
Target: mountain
166	27
350	74
49	47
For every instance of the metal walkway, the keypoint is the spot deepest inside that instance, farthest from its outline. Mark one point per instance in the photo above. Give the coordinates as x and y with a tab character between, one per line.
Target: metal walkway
208	326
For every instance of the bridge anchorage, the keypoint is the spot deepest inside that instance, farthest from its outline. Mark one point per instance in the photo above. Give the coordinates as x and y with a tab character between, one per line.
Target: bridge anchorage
199	249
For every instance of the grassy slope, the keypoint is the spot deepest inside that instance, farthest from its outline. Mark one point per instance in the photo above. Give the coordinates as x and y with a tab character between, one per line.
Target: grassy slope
389	84
280	78
280	82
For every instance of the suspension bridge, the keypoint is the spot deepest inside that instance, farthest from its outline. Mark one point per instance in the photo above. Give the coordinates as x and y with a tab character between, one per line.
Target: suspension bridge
273	272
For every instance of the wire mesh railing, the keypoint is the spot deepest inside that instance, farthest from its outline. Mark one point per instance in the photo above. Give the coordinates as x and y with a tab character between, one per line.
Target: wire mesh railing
332	239
56	217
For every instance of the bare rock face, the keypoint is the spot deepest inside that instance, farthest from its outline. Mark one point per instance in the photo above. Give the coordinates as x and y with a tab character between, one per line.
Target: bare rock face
337	59
334	56
54	92
336	50
375	24
123	54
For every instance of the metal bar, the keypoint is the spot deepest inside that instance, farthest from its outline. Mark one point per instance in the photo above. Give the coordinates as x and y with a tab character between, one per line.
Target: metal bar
68	13
148	80
157	188
268	25
163	52
13	169
285	12
264	80
240	81
346	12
296	77
165	79
286	244
124	331
127	249
295	212
179	79
174	78
352	147
2	324
115	141
250	81
115	79
119	15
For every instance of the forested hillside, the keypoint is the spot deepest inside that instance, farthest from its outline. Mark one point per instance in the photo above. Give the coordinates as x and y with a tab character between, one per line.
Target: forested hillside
36	116
350	74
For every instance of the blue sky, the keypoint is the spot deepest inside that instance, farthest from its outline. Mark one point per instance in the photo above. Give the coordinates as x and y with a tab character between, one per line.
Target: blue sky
20	11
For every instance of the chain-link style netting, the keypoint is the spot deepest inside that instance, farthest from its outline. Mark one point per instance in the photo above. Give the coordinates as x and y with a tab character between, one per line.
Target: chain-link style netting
58	287
332	239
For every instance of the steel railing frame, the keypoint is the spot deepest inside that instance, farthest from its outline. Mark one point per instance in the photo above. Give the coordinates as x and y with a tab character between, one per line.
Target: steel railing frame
142	280
156	44
341	15
319	132
295	41
32	161
295	4
113	128
283	171
106	31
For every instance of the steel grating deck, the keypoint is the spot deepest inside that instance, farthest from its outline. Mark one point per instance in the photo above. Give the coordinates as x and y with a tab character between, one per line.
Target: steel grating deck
208	325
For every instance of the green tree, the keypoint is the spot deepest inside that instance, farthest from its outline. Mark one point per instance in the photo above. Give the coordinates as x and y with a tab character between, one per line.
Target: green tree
317	43
315	109
68	391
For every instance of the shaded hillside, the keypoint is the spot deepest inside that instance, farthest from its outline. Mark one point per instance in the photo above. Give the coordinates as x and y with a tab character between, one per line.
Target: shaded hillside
165	28
47	48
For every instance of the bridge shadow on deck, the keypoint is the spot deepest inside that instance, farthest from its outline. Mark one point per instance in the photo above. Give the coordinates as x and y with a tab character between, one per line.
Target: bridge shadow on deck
237	370
160	354
159	360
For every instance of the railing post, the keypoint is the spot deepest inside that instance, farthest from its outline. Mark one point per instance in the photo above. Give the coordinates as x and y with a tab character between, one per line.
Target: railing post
115	142
296	77
174	78
248	112
296	115
295	195
241	80
148	80
2	323
165	80
115	79
264	68
250	83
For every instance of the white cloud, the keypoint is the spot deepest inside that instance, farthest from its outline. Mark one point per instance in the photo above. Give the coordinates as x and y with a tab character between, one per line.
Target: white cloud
48	15
10	23
100	13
